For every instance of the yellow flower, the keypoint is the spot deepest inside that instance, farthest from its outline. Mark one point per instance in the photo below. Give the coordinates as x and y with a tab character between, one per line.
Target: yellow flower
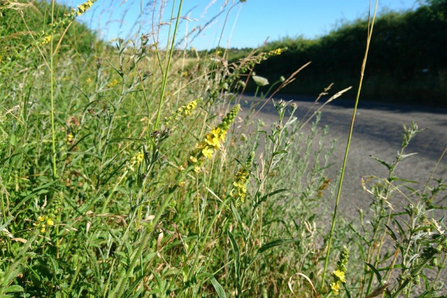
70	138
42	230
112	83
88	80
213	140
41	218
50	222
46	40
340	275
193	159
84	7
335	287
208	152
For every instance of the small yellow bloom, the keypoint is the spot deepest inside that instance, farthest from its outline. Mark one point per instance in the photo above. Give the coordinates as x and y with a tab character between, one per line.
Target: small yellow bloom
112	83
193	159
70	138
335	287
340	275
208	152
46	40
213	140
50	222
88	80
42	230
41	218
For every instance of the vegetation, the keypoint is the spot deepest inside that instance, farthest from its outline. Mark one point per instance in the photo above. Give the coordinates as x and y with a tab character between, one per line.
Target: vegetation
407	60
125	174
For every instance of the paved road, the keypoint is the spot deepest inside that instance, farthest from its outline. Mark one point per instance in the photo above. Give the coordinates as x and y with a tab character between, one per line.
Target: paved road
378	131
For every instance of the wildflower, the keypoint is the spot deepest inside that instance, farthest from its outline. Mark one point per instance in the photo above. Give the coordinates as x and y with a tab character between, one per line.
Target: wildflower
239	191
208	152
43	222
183	111
214	139
260	81
70	138
135	161
45	40
84	7
339	273
112	84
335	287
50	222
88	80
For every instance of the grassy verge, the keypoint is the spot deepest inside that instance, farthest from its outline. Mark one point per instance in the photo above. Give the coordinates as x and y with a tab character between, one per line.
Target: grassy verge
163	189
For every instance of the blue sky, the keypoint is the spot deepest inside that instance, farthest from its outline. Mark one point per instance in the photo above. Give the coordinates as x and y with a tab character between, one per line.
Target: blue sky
248	24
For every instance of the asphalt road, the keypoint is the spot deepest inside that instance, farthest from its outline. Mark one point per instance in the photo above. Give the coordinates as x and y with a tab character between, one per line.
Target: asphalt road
379	132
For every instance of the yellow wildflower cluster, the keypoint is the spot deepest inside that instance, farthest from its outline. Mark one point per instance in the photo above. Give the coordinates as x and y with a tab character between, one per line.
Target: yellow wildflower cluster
84	7
70	138
239	191
339	273
213	140
276	52
183	111
43	222
45	40
112	83
135	161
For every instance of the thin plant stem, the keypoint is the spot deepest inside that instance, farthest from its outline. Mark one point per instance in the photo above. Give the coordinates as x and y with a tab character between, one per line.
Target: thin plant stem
168	64
53	134
348	143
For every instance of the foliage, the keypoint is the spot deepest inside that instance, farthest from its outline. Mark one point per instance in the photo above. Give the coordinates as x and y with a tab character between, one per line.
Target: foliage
407	57
207	202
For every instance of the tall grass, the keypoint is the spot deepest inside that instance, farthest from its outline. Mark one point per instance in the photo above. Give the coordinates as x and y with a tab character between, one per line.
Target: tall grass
144	177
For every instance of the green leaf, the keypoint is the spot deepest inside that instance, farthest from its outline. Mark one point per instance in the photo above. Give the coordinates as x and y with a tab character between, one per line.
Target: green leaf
392	234
219	289
262	199
376	272
236	253
279	152
14	289
274	243
382	162
236	213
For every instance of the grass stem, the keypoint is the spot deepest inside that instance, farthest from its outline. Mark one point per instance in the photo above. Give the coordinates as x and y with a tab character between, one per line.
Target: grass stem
348	144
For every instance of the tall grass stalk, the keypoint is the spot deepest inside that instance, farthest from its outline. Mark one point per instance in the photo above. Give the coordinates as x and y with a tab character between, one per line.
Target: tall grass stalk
348	143
168	65
53	132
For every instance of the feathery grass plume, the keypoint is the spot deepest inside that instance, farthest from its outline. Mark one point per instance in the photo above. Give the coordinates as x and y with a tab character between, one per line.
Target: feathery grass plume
339	273
241	179
183	111
212	140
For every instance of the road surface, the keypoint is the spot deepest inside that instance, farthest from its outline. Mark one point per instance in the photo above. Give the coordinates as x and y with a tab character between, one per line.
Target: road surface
379	132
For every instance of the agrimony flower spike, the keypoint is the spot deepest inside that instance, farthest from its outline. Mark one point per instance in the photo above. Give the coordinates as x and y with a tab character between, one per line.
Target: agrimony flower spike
212	140
339	273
